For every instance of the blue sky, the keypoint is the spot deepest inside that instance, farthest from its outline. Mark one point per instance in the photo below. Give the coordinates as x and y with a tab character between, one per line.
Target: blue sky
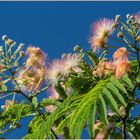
56	27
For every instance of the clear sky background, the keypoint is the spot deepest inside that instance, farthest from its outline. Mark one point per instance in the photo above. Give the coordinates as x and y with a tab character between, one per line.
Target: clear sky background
56	27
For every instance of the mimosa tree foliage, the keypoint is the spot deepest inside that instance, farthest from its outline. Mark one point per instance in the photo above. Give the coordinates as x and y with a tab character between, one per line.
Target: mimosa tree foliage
92	89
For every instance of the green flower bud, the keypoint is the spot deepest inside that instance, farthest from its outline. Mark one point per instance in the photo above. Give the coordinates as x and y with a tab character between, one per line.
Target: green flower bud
10	42
120	34
77	48
114	25
117	18
3	107
132	17
128	21
138	38
16	63
122	111
21	45
135	24
106	51
63	55
105	59
4	37
122	28
128	16
21	53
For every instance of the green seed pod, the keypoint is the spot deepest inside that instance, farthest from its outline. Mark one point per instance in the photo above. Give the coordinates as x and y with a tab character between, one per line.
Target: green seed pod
120	34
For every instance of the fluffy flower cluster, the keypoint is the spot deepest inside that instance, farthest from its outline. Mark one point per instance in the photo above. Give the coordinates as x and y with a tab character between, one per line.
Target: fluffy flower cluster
36	57
101	30
33	75
30	80
59	69
119	66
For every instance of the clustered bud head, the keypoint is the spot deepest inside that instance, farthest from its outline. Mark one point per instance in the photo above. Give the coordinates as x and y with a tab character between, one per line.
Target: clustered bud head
101	30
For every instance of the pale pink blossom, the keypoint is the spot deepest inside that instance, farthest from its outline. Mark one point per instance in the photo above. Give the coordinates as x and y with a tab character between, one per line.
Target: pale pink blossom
121	54
54	96
53	93
104	67
55	71
122	68
103	131
137	17
30	80
36	57
51	108
59	69
101	31
8	104
71	62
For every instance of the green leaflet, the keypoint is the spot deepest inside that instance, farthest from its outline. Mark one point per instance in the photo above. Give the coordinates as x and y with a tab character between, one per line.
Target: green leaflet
91	119
116	93
111	100
116	83
127	80
102	110
82	122
82	108
62	124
